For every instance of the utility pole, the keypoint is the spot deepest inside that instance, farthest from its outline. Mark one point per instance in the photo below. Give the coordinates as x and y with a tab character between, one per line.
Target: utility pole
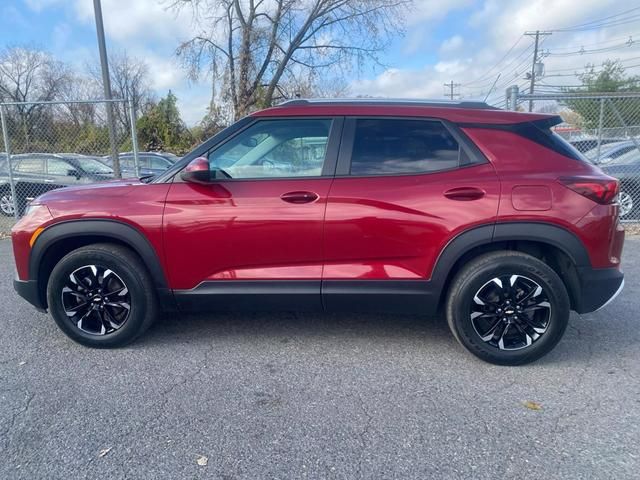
106	83
537	35
451	93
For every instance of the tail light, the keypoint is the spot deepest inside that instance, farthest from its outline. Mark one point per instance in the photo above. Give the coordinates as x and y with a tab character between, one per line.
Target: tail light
601	189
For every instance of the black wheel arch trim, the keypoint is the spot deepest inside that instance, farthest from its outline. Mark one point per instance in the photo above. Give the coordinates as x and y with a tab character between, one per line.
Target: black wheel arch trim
109	228
539	232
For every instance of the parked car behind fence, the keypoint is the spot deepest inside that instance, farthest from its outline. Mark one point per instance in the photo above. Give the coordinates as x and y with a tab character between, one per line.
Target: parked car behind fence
150	163
37	173
609	152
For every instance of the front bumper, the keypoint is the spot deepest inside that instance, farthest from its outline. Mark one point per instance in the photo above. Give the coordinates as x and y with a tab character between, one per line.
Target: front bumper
598	287
28	289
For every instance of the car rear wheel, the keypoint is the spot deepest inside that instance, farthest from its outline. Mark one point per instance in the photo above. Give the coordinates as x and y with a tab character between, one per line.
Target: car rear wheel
101	296
7	207
507	308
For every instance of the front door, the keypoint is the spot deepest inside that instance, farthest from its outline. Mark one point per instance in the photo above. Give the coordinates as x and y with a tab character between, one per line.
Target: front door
254	235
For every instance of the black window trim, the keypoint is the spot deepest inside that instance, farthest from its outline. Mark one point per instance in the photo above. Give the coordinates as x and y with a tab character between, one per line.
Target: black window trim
343	169
217	141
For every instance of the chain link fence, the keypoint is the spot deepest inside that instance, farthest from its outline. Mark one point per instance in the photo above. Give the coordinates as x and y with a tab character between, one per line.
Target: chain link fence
49	145
605	127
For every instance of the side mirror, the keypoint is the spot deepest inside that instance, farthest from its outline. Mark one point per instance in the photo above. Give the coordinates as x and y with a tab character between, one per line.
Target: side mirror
197	171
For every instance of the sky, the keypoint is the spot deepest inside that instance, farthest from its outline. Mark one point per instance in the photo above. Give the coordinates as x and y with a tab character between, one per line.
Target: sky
468	42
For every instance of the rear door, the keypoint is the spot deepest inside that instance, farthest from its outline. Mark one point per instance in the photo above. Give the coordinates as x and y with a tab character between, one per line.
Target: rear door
255	233
30	179
404	188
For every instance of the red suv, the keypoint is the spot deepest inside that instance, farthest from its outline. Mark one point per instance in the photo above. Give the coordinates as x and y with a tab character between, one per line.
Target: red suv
415	207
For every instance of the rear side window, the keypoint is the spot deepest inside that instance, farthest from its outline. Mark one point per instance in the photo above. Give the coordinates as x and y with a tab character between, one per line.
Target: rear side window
397	146
540	132
31	165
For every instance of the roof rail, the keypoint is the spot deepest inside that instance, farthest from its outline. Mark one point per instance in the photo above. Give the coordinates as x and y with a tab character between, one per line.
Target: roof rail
387	101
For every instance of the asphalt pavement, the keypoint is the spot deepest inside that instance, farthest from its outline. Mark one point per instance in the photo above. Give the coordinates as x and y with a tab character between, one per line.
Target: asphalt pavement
296	395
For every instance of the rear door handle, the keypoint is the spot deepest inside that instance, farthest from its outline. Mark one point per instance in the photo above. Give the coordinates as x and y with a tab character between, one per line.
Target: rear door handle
464	194
299	197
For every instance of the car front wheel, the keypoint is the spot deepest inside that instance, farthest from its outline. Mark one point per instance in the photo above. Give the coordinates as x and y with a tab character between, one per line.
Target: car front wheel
101	296
507	308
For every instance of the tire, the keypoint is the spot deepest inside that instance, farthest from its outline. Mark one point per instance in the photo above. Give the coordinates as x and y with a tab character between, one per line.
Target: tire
507	311
89	290
7	207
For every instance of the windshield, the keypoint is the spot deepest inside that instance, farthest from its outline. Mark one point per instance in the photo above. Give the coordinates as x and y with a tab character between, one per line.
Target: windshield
91	165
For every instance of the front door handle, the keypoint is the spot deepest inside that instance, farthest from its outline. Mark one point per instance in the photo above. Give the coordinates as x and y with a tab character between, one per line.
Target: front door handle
464	194
299	197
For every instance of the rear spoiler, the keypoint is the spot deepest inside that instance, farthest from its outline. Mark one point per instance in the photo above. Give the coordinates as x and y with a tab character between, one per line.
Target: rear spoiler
544	123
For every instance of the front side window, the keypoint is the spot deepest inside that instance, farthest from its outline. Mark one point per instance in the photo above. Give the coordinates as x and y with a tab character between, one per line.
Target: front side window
275	149
396	146
158	163
56	166
91	165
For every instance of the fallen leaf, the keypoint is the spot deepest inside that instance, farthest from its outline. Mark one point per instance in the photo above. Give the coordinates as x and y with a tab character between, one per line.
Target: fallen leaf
104	451
532	405
202	461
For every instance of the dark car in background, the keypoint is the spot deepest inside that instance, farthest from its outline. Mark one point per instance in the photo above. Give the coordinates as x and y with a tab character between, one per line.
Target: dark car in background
626	168
37	173
610	151
583	145
150	163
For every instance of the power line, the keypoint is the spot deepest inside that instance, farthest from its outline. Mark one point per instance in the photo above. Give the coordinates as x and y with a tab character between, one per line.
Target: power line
598	22
555	70
582	51
597	44
486	74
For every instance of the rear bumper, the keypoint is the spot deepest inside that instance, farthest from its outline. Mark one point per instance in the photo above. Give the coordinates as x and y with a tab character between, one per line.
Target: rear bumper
28	289
598	287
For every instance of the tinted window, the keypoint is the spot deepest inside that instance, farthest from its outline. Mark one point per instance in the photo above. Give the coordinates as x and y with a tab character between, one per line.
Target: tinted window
91	165
402	146
128	163
56	166
275	148
31	165
159	163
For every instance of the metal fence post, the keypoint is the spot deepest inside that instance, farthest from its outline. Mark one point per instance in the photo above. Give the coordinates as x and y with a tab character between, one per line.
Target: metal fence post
600	127
134	137
7	147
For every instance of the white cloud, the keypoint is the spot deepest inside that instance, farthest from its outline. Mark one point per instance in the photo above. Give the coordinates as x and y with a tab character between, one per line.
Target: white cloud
452	44
488	34
60	37
39	5
128	20
429	10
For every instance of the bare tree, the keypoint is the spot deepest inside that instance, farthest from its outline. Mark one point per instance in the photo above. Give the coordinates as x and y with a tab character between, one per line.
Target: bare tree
80	87
252	46
130	80
30	75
